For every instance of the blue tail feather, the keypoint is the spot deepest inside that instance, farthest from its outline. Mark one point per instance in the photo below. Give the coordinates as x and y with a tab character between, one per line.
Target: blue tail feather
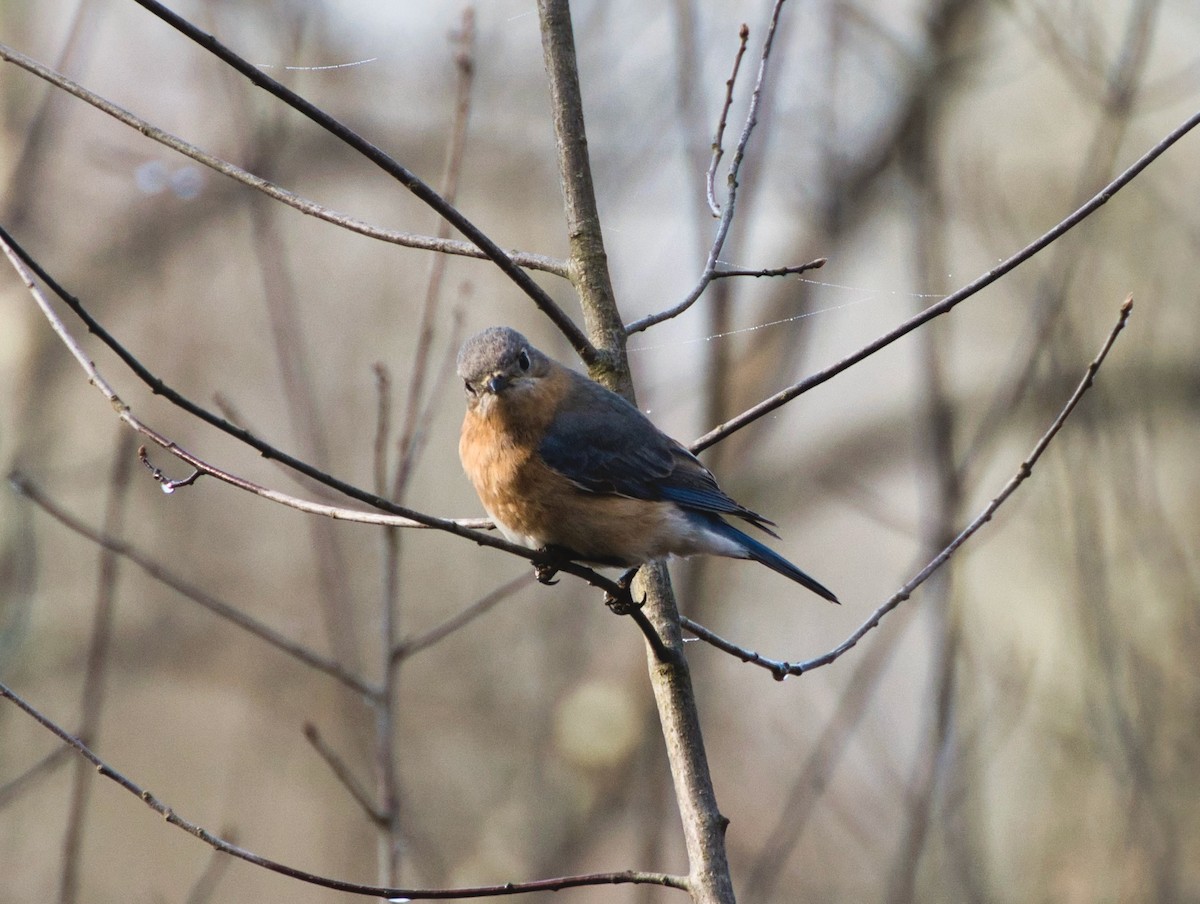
773	560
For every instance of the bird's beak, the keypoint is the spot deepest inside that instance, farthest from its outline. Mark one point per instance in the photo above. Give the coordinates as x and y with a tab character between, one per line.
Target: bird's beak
496	383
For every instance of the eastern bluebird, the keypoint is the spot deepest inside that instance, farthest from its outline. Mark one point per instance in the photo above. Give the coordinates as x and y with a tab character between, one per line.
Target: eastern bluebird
563	464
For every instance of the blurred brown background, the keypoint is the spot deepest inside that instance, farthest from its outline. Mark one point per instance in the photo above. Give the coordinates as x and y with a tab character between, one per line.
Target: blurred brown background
1024	729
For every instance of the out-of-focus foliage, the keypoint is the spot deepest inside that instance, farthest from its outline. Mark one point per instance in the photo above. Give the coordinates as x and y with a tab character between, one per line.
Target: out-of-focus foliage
1023	729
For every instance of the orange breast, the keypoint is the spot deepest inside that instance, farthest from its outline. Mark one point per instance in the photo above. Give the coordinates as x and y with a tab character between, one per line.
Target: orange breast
498	465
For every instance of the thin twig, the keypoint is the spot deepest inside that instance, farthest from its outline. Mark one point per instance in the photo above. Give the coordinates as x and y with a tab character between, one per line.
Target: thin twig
383	426
781	669
337	513
628	877
718	148
390	166
419	436
451	176
444	245
159	476
714	254
343	774
417	415
951	301
31	491
413	645
775	271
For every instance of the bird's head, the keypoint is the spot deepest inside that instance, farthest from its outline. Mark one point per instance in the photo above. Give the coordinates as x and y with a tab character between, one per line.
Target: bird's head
499	363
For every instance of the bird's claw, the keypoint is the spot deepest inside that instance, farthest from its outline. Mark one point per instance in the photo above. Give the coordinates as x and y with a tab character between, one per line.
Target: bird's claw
625	603
547	563
545	573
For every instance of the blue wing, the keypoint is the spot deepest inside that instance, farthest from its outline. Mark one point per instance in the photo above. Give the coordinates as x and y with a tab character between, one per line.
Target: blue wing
604	445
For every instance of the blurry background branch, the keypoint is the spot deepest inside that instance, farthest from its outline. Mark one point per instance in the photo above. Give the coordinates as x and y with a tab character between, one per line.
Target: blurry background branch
440	243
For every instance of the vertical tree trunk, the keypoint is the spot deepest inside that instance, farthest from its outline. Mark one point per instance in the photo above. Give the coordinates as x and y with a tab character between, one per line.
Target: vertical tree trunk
703	825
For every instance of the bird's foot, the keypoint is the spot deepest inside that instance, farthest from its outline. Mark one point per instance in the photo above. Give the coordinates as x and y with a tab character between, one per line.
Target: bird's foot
545	572
546	565
625	603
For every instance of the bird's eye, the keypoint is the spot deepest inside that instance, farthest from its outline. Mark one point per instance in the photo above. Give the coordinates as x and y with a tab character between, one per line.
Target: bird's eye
470	389
523	360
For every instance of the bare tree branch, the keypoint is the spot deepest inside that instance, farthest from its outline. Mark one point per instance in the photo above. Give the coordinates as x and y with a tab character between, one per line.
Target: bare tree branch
735	165
718	147
203	468
589	262
439	243
781	669
774	271
31	491
629	877
342	772
951	301
390	166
